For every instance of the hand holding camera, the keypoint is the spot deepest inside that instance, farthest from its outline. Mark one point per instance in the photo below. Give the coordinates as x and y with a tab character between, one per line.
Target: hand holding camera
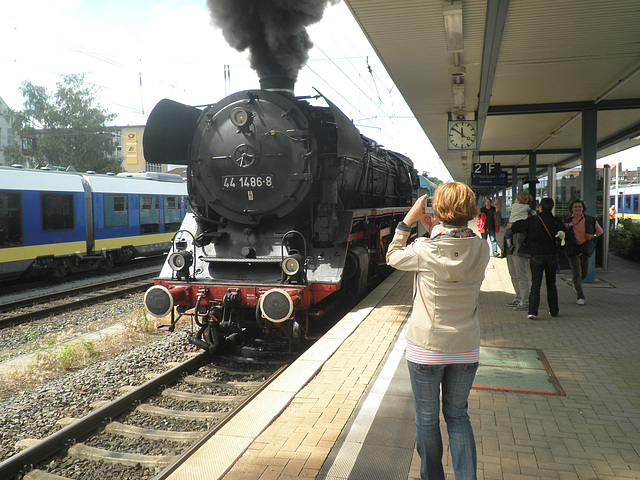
428	206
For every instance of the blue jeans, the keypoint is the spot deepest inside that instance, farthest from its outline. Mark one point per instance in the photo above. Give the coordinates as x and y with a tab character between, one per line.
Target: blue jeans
547	265
456	380
508	235
492	237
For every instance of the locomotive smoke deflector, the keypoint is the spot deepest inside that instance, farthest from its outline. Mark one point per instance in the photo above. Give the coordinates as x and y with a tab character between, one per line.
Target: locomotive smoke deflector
169	132
349	139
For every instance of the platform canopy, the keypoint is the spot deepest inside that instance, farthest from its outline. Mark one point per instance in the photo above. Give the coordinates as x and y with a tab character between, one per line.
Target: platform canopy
525	70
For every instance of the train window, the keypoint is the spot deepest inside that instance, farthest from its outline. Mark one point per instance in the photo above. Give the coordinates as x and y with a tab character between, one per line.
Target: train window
636	203
627	203
149	214
57	211
116	211
172	215
10	219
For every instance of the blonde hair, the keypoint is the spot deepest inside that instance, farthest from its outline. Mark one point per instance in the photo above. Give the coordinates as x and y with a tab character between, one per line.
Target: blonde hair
523	197
454	203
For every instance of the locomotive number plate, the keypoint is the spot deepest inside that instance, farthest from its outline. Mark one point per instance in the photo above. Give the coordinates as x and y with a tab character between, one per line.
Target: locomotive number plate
247	182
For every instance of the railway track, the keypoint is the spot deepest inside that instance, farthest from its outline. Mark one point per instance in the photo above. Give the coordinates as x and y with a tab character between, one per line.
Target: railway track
17	312
198	394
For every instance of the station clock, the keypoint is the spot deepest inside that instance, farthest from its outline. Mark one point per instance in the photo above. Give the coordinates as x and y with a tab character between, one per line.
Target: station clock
462	134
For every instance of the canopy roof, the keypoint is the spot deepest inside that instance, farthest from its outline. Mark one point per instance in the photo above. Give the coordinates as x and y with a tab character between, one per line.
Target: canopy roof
529	68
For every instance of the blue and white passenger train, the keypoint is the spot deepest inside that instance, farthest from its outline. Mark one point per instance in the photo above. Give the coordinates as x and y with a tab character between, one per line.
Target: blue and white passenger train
628	202
54	222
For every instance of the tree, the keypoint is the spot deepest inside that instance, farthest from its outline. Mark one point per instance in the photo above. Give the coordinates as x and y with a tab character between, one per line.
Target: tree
435	180
66	128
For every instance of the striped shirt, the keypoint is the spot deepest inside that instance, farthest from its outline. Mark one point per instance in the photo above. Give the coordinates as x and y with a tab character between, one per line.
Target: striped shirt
420	355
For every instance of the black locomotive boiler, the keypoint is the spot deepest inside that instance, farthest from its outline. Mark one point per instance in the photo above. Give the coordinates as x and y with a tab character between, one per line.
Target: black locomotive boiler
292	208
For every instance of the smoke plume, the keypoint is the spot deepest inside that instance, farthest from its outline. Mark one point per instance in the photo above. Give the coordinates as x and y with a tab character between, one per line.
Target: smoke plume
274	31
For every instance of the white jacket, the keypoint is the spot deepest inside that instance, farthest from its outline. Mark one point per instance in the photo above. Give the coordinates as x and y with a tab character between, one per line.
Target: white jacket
519	211
449	273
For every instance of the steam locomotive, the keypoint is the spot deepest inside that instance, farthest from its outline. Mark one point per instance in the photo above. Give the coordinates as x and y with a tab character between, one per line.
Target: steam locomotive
292	209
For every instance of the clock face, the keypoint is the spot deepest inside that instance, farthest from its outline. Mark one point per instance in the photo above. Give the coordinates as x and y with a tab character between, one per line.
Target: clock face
462	135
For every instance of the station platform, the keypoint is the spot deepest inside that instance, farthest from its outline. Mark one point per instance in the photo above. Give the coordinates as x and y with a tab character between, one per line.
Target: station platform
555	398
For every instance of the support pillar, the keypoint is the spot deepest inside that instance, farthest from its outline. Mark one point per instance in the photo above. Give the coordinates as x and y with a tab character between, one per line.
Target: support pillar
533	179
552	189
605	217
589	157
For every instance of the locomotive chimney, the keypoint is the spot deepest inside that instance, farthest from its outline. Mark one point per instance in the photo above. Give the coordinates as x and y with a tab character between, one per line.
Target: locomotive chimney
282	85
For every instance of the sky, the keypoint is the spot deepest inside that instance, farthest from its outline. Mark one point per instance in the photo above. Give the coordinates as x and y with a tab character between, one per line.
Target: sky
139	52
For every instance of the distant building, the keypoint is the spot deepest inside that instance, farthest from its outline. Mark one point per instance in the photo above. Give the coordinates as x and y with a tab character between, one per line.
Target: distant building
626	177
129	149
6	130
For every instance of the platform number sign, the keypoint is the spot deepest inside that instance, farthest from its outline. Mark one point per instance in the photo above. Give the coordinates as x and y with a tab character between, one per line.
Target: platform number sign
486	169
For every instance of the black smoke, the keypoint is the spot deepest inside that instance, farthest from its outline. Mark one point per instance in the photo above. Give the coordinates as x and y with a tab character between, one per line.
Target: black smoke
274	31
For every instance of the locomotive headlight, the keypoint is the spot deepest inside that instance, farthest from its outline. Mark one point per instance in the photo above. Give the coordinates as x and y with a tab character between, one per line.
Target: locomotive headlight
276	305
241	117
292	264
180	261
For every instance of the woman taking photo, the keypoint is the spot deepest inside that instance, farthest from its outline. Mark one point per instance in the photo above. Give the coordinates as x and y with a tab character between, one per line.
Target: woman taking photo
443	334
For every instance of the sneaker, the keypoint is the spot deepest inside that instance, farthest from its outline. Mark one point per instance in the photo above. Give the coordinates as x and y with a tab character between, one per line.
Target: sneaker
581	301
553	314
512	303
521	307
497	255
531	316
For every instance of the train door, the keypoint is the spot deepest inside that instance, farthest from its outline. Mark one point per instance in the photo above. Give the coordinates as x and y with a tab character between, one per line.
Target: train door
11	234
172	213
149	214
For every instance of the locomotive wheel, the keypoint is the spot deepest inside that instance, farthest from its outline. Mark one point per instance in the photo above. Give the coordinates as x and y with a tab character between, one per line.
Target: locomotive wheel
295	335
212	337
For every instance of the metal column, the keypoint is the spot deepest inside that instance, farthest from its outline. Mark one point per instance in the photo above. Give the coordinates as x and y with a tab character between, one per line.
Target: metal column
606	205
551	184
533	178
589	157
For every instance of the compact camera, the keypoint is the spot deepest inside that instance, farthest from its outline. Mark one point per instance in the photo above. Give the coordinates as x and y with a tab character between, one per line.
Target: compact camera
428	206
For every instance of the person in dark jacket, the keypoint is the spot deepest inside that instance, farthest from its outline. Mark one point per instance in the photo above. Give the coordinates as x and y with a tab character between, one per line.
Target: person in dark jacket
487	225
541	244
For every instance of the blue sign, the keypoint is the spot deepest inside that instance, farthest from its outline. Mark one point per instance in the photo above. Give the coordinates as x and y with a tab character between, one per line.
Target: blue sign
484	180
